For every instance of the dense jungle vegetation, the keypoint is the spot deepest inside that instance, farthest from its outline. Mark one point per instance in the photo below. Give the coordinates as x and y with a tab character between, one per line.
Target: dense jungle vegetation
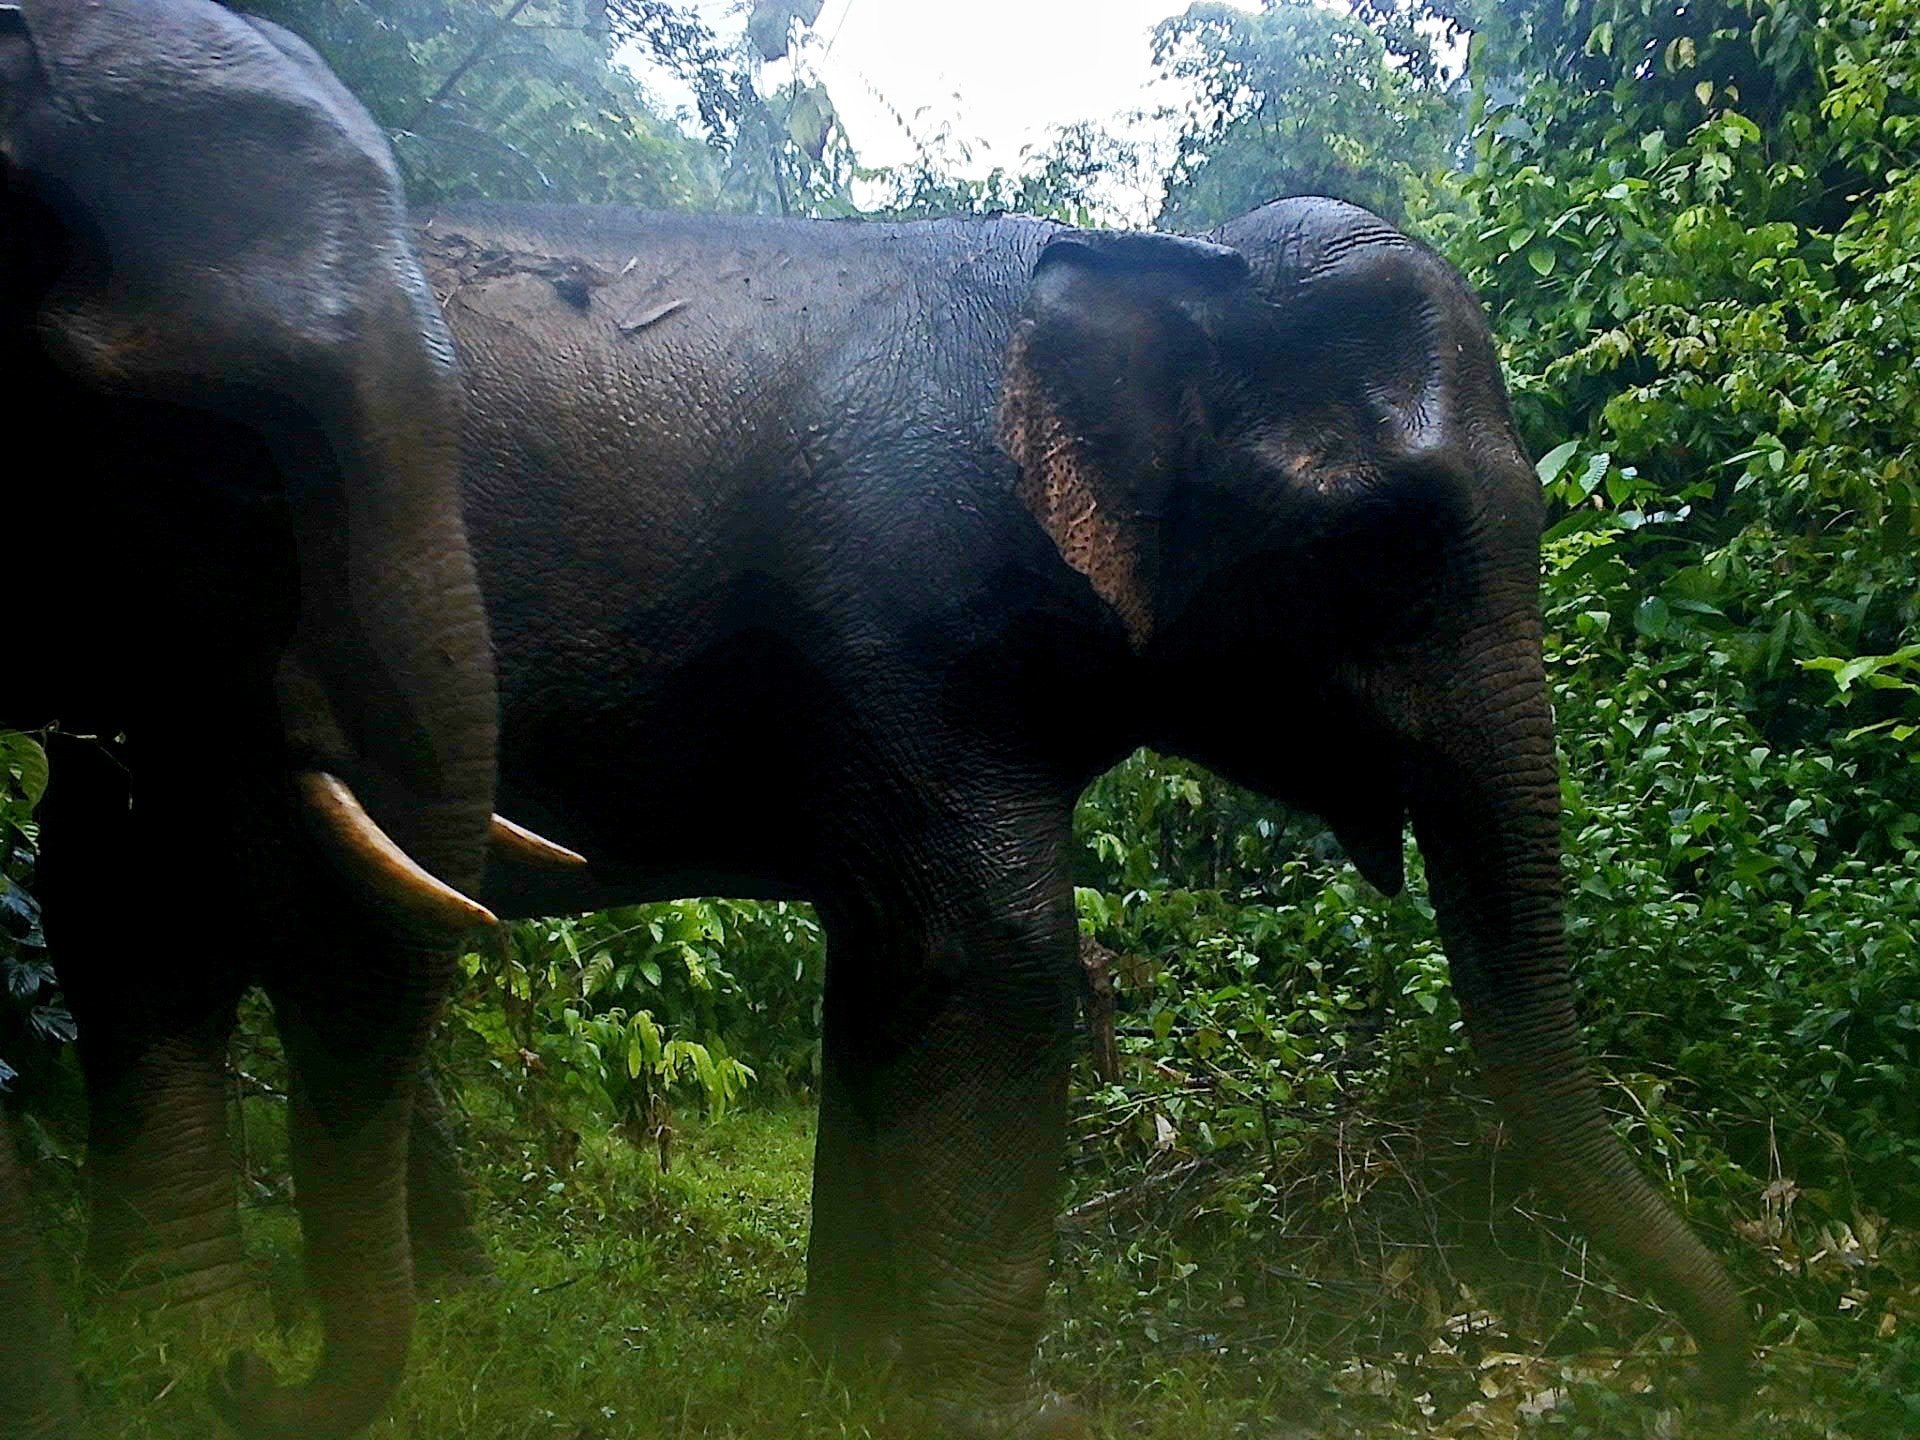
1697	228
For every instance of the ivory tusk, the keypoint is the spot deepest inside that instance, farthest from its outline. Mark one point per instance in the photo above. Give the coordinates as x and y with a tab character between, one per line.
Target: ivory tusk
519	846
369	855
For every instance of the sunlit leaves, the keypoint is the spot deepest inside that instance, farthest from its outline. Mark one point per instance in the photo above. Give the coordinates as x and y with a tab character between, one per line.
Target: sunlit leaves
23	776
770	24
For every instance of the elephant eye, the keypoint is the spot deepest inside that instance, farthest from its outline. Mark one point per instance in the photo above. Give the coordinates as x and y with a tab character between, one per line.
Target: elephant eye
1309	458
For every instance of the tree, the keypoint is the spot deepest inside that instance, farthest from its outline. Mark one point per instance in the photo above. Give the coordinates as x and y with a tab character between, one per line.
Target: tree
516	100
1300	99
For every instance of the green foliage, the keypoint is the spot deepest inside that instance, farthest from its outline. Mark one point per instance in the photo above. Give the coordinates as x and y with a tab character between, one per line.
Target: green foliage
625	1010
1071	178
506	101
1301	99
32	1016
1680	286
1696	230
539	100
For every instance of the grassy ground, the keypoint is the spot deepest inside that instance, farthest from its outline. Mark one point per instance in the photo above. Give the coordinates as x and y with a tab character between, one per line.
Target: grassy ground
632	1303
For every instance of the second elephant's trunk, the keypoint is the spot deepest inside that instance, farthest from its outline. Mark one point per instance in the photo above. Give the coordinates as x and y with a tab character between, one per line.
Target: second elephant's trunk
388	686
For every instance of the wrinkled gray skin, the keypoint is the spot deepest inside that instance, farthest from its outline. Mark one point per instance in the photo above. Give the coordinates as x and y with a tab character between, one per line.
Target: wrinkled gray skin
249	565
858	550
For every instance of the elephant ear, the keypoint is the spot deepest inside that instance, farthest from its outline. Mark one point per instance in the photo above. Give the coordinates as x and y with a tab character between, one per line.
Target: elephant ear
1096	409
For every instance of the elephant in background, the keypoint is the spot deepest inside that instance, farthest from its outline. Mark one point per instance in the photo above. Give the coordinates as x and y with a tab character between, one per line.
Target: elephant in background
252	592
912	503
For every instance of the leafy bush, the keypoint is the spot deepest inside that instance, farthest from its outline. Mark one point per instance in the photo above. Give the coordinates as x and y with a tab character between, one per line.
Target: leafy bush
626	1010
33	1020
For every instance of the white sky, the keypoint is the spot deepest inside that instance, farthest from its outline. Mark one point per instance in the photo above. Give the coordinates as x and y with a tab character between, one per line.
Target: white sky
994	75
1001	73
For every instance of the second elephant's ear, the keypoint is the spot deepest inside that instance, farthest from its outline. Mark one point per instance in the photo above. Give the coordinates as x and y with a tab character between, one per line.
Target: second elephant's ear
1097	406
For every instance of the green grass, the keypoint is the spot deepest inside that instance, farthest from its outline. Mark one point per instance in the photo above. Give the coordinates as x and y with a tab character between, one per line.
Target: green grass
634	1303
626	1302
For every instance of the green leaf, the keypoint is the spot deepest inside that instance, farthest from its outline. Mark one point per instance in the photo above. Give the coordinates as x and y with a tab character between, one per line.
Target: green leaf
24	763
599	970
1596	471
650	1046
1554	461
1541	258
810	120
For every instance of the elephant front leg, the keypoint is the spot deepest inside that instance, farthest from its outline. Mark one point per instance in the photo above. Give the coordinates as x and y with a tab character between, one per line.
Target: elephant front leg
164	1224
851	1314
943	1128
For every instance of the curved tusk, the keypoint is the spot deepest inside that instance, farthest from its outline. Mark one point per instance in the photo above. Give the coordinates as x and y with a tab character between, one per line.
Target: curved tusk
369	855
520	846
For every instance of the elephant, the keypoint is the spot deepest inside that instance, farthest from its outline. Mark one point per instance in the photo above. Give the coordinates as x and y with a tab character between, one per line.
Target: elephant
826	539
256	624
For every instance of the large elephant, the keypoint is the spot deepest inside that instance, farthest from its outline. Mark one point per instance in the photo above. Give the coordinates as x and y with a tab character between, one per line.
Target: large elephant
858	549
254	616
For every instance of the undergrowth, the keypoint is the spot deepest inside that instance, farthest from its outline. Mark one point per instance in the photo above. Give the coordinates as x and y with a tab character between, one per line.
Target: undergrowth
1384	1270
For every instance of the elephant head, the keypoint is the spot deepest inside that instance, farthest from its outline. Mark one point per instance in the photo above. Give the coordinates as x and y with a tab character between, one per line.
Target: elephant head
208	293
202	220
1287	449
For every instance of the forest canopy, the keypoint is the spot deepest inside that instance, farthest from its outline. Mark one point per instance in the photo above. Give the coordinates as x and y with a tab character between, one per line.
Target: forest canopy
1696	228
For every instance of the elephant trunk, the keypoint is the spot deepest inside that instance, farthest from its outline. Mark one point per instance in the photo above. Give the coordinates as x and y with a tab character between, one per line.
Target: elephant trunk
387	687
387	707
1485	809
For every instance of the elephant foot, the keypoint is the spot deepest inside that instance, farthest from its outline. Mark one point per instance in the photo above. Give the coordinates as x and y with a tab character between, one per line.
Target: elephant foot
186	1259
247	1396
1043	1417
208	1284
